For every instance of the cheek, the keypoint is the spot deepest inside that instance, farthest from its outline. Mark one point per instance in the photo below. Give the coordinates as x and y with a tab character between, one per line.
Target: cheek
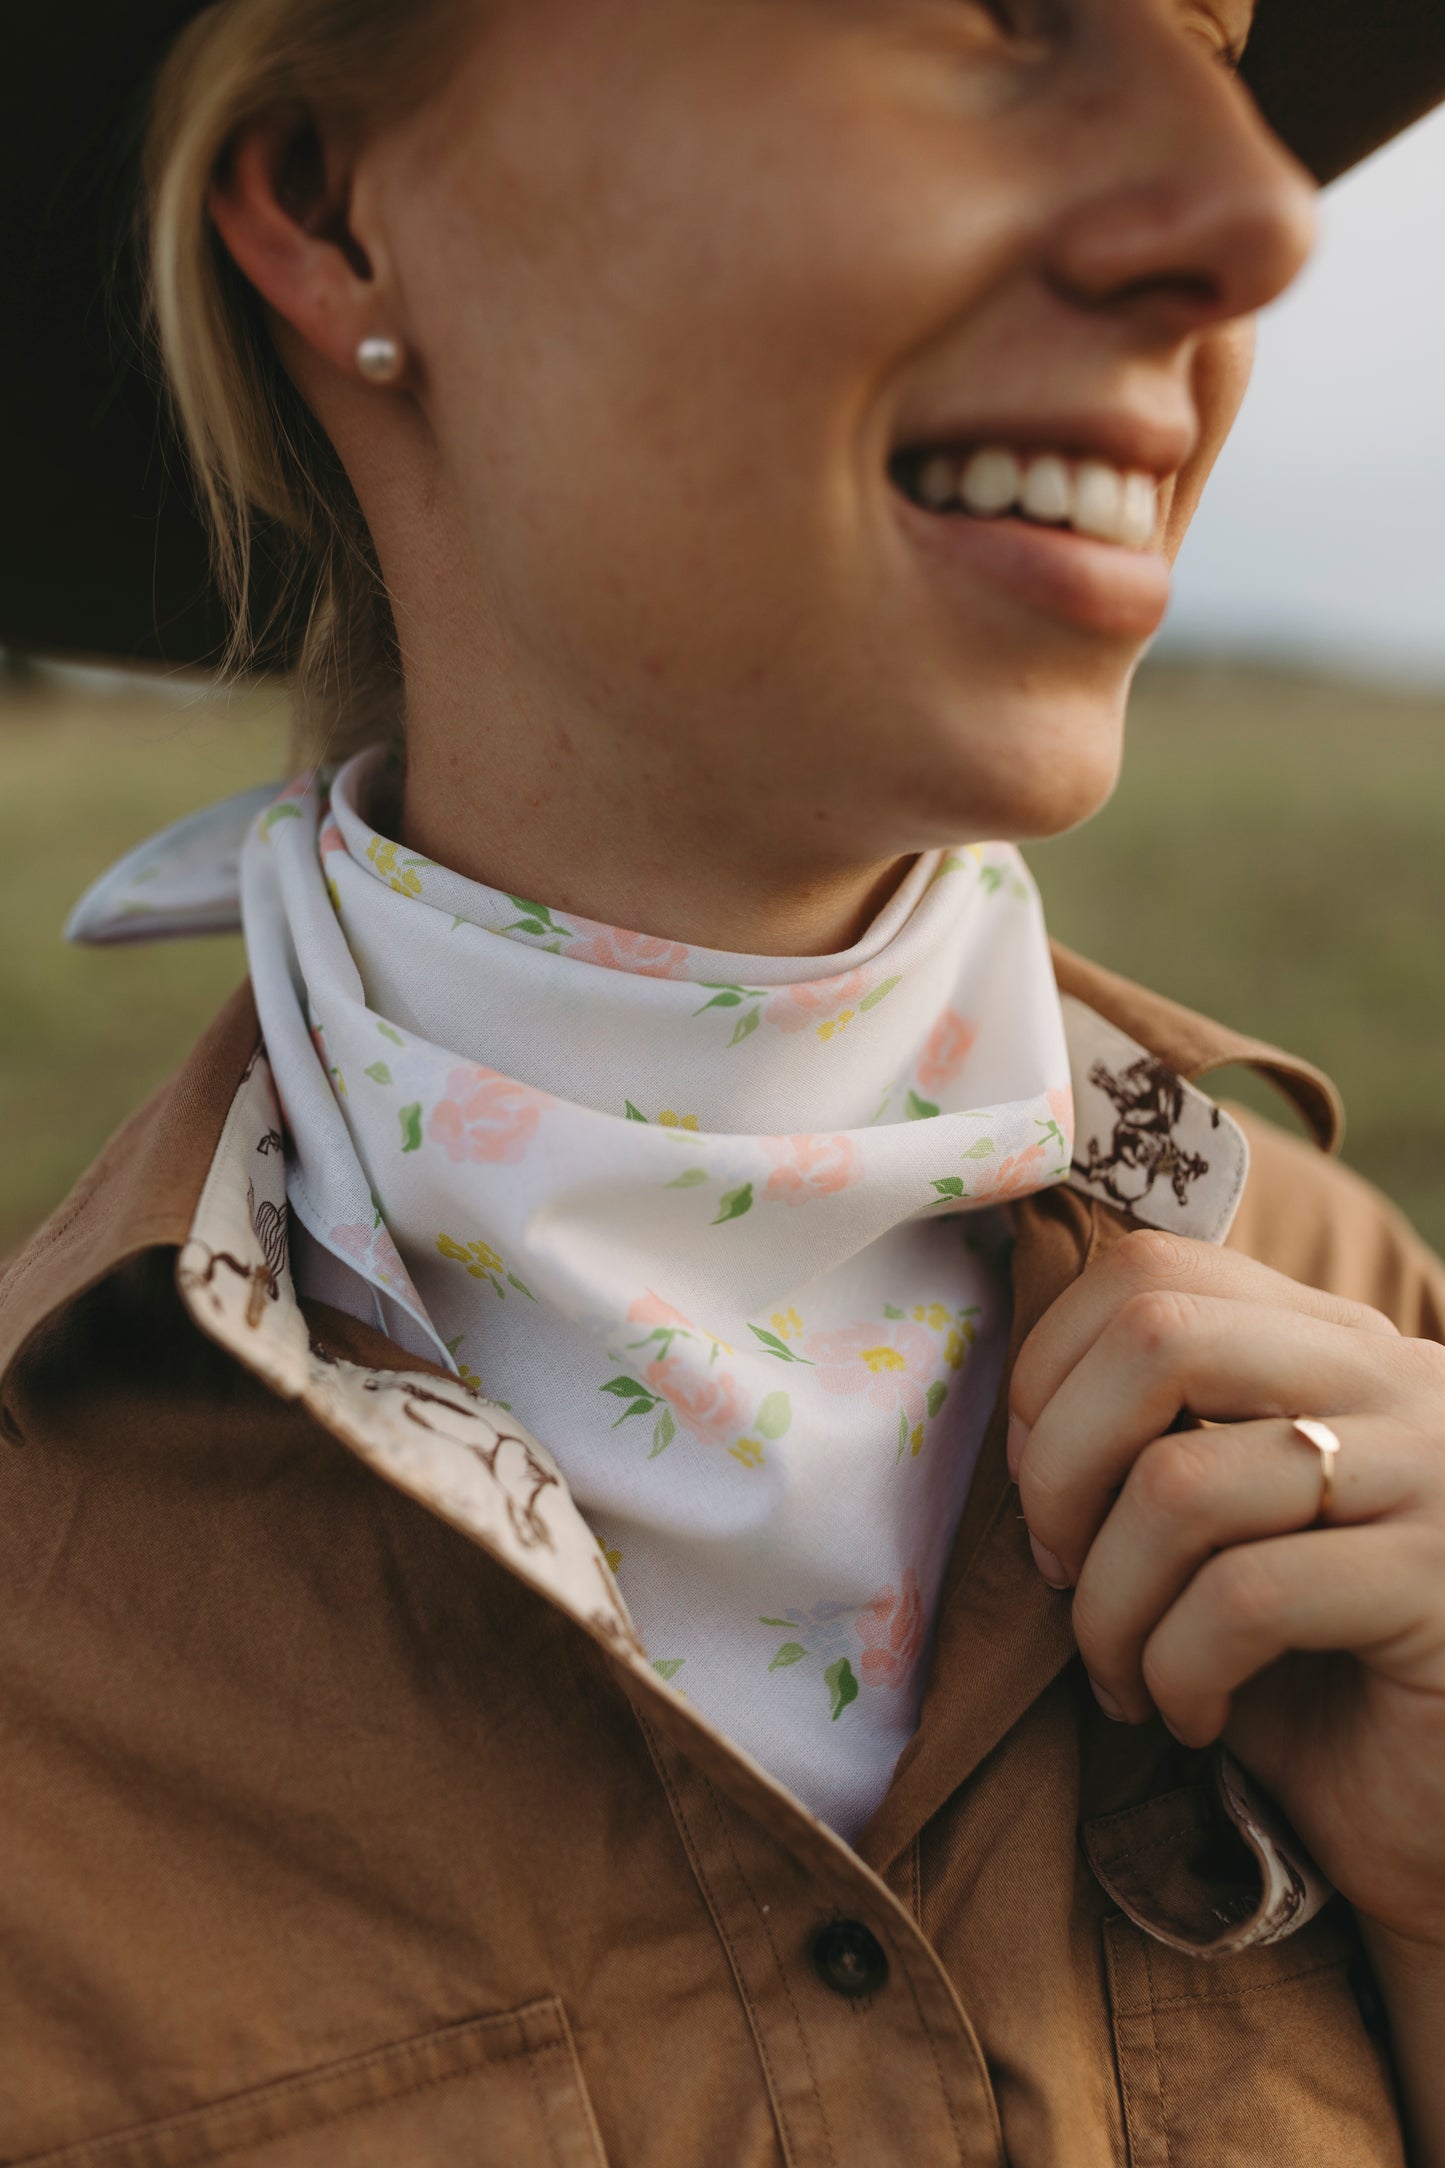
1220	377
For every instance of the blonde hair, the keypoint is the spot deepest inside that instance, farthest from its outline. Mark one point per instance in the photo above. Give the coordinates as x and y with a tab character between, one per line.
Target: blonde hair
264	470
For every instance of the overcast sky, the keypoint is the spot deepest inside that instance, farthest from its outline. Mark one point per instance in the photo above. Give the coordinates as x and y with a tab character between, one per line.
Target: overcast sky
1322	533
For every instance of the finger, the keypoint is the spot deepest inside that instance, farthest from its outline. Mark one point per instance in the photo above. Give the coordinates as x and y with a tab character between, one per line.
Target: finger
1163	1354
1370	1592
1196	1492
1149	1262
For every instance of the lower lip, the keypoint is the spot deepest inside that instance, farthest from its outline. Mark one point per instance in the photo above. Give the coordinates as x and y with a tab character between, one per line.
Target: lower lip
1096	586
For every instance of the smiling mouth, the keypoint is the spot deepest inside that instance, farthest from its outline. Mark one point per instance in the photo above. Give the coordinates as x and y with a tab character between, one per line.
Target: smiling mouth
1049	489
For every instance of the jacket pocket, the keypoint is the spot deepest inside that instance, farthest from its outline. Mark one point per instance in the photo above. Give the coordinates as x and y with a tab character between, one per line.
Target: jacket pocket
497	2092
1262	2057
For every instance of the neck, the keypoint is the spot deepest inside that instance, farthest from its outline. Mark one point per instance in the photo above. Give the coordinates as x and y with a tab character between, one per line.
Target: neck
627	833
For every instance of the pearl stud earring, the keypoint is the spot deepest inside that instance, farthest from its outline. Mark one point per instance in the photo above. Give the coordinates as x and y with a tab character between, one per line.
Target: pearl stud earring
380	359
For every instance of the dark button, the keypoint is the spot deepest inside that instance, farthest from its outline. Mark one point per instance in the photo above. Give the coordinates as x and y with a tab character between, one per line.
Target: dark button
849	1959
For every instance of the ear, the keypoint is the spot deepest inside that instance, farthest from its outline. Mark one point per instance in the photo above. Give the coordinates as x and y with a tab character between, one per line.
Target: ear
281	203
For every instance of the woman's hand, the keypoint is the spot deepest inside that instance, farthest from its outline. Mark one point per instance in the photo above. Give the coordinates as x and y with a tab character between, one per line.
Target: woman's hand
1204	1585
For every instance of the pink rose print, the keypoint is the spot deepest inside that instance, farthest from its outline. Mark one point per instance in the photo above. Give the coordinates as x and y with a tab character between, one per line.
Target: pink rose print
706	1402
644	954
893	1364
650	1309
484	1117
331	839
811	1166
808	1001
370	1244
945	1050
1016	1176
1061	1106
891	1631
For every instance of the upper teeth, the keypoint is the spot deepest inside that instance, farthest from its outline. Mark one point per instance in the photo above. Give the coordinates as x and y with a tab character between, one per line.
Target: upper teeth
1096	499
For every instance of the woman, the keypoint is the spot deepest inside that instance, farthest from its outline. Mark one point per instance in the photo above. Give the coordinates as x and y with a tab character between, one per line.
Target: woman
736	452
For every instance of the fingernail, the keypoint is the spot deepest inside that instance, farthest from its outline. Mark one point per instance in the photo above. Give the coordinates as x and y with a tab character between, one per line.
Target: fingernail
1054	1571
1107	1703
1018	1438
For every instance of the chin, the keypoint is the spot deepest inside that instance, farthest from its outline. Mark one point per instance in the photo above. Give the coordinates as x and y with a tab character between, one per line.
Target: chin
1042	769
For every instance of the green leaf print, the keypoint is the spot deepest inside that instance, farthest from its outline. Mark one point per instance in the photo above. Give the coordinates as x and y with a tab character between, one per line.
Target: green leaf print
288	810
411	1127
745	1027
902	1433
789	1622
634	1114
667	1667
937	1394
734	1203
394	1036
891	1309
774	1416
778	1347
990	879
627	1389
950	1186
841	1685
688	1179
791	1652
728	997
879	993
663	1434
521	1286
379	1073
535	919
984	1149
642	1400
920	1110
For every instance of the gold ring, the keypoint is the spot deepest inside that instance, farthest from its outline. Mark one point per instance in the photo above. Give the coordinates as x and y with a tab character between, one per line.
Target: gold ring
1327	1445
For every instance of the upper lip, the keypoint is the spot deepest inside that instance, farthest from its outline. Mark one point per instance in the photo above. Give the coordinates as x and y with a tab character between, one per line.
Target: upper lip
1135	442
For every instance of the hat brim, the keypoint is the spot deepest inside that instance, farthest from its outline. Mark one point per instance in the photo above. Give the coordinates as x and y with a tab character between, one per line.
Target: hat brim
101	552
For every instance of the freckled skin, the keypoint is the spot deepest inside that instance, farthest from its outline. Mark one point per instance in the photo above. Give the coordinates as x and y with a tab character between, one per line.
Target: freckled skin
675	278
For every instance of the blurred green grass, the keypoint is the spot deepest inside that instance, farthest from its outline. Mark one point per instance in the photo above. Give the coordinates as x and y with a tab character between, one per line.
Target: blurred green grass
1275	856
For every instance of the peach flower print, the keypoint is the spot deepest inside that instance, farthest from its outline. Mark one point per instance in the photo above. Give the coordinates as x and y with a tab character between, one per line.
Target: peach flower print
646	955
1061	1106
945	1050
484	1116
808	1001
893	1364
706	1402
1014	1176
891	1631
370	1244
650	1309
811	1166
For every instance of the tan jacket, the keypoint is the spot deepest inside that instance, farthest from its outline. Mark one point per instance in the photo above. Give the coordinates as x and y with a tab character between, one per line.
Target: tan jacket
343	1819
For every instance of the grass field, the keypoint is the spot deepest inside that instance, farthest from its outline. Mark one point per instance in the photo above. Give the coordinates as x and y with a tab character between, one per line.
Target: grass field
1276	855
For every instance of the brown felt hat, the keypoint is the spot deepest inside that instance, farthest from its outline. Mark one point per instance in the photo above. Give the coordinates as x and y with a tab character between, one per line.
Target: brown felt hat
101	553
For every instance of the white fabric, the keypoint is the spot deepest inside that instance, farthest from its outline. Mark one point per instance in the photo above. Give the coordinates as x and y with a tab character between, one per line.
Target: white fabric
710	1224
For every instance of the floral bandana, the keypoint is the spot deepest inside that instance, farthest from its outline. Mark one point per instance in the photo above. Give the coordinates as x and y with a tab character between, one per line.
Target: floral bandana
714	1226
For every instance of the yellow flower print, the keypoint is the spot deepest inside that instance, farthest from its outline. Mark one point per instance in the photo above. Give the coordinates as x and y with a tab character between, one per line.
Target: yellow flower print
749	1451
786	1324
915	1440
958	1343
469	1377
880	1359
402	875
668	1120
478	1257
613	1558
934	1314
483	1263
836	1024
